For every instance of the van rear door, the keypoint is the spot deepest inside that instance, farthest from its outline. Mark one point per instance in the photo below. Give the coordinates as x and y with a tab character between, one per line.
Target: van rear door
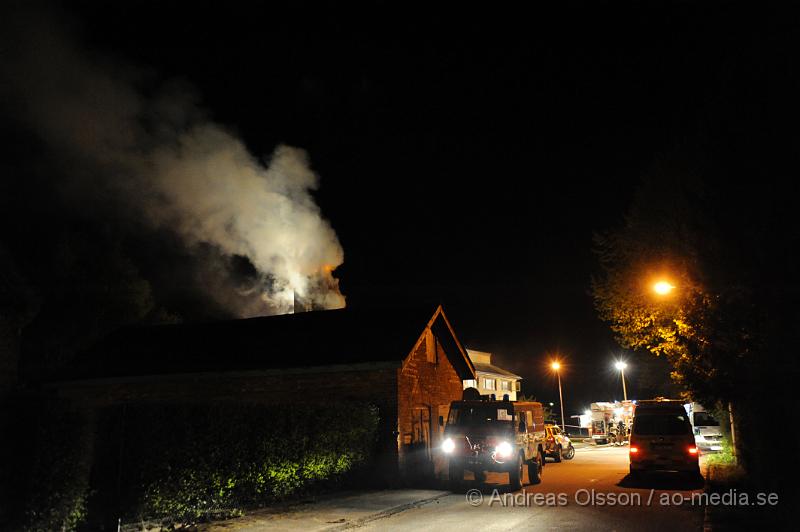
663	440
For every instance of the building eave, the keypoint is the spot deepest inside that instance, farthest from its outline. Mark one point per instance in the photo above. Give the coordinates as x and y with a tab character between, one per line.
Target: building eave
500	375
332	368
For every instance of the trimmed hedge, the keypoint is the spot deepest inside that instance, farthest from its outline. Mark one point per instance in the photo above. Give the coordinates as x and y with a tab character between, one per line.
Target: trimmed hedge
177	465
185	464
58	482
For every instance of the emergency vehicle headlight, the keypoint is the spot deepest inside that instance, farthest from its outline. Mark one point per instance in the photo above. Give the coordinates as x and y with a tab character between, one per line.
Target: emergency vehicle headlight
448	445
503	449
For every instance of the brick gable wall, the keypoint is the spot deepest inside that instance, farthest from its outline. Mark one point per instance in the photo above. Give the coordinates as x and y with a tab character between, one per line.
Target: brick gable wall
424	392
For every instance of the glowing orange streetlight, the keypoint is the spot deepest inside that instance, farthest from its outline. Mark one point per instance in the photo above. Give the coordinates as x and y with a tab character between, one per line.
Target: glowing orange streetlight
663	288
556	366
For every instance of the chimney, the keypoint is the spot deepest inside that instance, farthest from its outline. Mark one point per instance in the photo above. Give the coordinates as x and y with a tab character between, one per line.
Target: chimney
300	304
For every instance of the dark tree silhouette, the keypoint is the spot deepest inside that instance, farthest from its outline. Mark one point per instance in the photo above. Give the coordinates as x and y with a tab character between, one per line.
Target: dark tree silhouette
727	327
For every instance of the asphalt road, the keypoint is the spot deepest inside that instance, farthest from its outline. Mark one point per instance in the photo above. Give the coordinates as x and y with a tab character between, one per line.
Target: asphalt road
590	492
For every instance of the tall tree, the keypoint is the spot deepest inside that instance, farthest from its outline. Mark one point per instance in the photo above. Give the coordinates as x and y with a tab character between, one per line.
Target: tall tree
726	326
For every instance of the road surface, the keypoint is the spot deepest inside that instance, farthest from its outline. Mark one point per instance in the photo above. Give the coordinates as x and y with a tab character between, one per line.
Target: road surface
591	492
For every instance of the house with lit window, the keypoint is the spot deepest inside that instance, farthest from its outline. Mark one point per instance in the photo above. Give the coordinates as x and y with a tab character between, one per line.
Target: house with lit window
490	379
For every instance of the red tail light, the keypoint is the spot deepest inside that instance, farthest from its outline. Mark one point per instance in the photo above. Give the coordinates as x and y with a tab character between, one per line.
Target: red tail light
634	450
692	450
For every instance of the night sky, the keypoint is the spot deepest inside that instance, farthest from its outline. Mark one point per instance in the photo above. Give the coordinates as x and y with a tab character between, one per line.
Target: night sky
466	155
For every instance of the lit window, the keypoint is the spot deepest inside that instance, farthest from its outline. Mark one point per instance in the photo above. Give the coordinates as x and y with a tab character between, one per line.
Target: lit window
489	384
470	383
505	386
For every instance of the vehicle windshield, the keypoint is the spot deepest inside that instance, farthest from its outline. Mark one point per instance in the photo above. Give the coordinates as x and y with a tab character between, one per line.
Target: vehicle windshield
485	414
661	424
704	419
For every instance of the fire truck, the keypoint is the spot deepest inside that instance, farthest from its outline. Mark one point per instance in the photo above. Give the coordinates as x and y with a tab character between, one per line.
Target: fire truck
608	419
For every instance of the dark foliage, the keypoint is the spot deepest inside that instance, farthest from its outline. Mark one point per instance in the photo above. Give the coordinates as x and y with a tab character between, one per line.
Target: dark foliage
57	487
182	464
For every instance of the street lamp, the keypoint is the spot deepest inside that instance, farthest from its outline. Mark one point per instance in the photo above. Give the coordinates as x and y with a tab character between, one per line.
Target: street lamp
620	365
663	288
556	367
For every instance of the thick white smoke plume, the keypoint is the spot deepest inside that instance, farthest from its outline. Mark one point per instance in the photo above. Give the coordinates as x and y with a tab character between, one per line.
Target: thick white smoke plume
157	160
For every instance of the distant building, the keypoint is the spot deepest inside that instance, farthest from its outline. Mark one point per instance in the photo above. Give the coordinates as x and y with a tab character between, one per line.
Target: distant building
490	379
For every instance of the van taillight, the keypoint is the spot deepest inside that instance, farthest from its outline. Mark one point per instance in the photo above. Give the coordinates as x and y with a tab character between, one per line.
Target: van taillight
634	450
693	450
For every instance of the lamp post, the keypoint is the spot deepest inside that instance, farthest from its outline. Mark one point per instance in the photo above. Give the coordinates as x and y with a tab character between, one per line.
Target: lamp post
620	365
556	367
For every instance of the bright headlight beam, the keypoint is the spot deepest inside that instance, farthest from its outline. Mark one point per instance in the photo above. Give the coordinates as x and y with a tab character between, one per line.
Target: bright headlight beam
503	449
448	445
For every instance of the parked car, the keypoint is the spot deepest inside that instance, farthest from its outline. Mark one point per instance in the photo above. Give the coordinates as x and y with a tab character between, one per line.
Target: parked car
557	444
501	436
662	439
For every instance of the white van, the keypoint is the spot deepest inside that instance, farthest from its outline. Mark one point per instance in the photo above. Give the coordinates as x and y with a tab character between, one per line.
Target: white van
707	434
662	439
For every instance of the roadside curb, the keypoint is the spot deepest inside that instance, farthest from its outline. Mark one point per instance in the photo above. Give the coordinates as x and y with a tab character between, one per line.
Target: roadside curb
385	513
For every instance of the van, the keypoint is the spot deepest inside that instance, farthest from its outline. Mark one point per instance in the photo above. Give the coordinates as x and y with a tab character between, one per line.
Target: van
662	439
707	432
